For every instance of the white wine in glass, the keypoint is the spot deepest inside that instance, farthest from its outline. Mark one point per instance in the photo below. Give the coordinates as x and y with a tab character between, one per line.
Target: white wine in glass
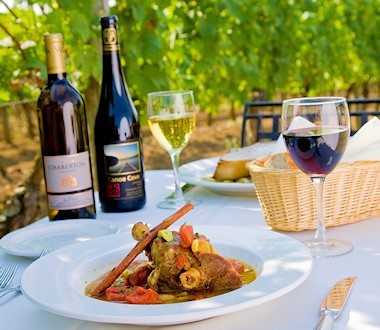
172	120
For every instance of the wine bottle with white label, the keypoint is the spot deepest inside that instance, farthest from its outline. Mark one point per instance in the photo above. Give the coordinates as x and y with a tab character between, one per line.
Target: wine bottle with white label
119	156
64	141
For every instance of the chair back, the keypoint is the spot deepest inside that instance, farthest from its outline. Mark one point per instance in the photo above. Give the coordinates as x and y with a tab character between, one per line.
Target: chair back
267	126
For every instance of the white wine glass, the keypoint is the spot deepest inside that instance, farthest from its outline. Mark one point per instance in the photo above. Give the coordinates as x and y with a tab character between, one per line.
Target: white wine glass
316	131
172	120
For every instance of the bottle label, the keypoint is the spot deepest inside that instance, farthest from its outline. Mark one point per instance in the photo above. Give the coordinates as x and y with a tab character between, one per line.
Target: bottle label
110	41
123	170
66	179
71	201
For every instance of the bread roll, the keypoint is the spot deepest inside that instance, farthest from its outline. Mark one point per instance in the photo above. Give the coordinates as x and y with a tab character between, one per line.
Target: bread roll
231	169
232	165
280	161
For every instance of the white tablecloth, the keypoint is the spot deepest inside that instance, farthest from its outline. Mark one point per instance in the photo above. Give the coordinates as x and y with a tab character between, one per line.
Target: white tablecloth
296	310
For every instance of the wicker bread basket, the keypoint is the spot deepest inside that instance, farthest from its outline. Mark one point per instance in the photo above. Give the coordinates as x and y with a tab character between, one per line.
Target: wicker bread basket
287	198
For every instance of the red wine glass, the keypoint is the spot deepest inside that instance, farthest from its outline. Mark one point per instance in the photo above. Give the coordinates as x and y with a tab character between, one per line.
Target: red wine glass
316	131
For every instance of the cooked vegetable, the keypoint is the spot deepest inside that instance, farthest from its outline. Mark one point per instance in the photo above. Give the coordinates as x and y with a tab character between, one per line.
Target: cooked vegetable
182	262
140	274
153	278
244	180
191	278
133	295
238	266
187	235
166	234
138	230
201	246
126	273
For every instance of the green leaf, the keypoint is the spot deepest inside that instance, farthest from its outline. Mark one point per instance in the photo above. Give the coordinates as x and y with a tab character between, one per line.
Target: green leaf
220	48
79	24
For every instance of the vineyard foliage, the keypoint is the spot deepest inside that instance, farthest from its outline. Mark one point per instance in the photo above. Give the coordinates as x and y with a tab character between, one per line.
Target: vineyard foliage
221	49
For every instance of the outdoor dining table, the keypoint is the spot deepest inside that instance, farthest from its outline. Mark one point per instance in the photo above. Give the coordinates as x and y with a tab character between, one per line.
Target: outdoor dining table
294	310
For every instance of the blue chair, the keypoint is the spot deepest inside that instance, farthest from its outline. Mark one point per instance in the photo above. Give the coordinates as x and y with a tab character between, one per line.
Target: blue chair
259	115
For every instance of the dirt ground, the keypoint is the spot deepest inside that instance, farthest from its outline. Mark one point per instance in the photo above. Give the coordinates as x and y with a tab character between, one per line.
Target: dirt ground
17	159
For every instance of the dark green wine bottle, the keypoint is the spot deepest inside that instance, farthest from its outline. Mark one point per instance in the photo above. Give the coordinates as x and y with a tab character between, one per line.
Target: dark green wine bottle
64	141
119	155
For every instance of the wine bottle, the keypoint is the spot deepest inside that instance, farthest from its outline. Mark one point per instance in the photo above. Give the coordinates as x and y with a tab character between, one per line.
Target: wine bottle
64	141
119	155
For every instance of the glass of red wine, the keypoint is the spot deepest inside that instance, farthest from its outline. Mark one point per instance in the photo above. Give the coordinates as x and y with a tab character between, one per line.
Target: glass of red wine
316	131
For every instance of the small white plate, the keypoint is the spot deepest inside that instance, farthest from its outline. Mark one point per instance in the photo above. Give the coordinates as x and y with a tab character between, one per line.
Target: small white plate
57	281
196	171
31	240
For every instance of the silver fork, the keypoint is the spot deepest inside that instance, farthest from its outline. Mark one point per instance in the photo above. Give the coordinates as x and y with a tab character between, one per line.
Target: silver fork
44	252
7	273
17	287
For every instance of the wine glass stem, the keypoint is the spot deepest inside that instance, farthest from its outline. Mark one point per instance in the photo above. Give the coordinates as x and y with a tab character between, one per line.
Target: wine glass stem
175	162
320	234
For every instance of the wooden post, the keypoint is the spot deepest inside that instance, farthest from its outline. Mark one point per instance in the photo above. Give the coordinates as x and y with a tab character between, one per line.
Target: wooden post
29	120
4	116
5	121
26	204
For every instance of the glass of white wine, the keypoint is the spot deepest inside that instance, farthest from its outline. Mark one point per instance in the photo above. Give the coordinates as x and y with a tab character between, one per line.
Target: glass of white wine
172	120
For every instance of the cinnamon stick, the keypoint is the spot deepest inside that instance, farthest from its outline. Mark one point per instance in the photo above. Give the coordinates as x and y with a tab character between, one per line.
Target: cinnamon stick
138	248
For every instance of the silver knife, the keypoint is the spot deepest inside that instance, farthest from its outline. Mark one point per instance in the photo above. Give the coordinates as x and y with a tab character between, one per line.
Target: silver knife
334	302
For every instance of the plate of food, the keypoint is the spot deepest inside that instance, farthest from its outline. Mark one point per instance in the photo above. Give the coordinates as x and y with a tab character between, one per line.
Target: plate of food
29	241
189	273
227	174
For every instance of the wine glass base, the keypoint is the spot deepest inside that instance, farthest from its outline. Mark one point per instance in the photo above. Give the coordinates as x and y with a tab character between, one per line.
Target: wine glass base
175	204
334	248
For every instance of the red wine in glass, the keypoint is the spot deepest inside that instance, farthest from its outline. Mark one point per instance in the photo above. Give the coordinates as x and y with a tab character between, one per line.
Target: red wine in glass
317	150
316	132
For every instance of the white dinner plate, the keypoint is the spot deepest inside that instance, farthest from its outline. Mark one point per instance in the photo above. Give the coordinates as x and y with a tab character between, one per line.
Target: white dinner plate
31	240
57	281
196	172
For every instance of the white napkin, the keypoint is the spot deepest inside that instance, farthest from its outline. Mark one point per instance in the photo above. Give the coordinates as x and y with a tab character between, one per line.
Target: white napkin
256	150
296	123
363	145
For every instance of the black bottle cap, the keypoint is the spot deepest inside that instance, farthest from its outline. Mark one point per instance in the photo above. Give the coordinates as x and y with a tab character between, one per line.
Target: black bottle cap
112	19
